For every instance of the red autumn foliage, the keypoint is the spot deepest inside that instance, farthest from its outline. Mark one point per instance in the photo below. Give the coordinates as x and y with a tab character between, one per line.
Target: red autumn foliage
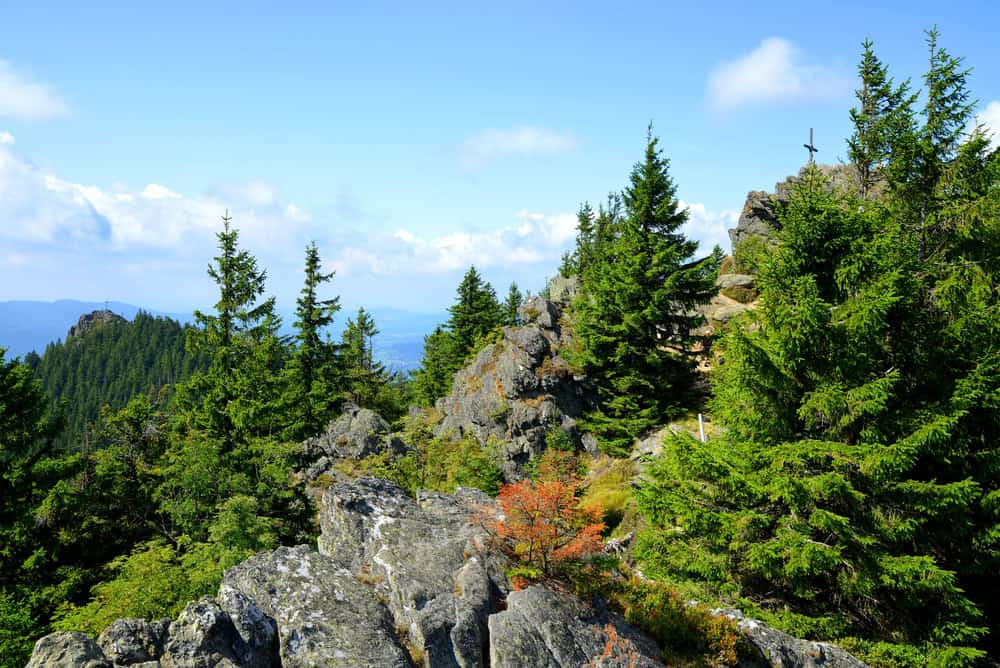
542	524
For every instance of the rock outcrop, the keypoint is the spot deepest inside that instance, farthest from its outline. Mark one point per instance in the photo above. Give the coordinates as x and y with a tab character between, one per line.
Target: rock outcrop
518	389
421	557
67	650
780	650
91	321
134	641
544	627
396	582
322	615
355	434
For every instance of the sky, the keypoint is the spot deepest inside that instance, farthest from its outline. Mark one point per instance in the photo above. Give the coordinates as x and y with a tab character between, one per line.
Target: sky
408	140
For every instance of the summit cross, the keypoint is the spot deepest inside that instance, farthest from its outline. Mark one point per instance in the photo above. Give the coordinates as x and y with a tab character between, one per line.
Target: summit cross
810	147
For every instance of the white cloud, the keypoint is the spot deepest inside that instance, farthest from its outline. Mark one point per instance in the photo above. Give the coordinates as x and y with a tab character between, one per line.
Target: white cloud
156	191
531	239
39	207
296	214
26	100
772	72
990	119
523	141
7	139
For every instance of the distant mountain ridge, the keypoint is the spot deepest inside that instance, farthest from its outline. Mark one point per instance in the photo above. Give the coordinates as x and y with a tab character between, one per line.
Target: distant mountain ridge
31	325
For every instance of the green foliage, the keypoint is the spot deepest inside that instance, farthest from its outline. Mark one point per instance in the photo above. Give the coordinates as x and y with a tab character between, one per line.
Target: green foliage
609	487
17	628
748	255
634	316
150	583
881	117
682	630
512	302
363	376
438	464
239	394
463	463
854	493
405	470
433	379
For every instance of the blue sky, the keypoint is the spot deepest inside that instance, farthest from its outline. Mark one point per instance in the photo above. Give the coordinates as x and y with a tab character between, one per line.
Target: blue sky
409	140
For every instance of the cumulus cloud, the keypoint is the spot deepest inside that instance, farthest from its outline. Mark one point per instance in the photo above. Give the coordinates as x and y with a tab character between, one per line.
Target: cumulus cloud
531	238
40	207
772	72
6	138
27	100
493	144
989	118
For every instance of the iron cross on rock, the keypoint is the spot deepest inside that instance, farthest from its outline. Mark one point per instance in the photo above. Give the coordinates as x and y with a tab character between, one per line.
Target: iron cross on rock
810	147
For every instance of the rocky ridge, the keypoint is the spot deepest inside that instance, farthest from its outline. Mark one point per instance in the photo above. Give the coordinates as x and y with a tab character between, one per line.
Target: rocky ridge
519	388
395	582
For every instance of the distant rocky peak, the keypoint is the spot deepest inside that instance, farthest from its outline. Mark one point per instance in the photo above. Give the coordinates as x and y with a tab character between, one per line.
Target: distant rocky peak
88	322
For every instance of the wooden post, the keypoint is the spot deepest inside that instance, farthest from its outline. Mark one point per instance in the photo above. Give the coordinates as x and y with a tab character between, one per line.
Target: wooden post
701	427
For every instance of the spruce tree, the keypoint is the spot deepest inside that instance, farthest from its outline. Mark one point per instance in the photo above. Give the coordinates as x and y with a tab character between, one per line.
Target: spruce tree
512	302
433	379
882	114
237	395
475	312
636	312
363	376
29	470
310	374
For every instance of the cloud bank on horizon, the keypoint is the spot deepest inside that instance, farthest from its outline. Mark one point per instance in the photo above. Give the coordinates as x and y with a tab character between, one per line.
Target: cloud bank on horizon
46	215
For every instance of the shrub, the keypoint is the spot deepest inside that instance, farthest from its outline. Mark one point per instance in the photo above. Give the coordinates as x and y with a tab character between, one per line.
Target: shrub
542	525
682	629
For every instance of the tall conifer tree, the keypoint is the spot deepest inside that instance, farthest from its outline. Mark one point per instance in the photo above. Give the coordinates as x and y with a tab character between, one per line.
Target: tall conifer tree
882	114
636	313
237	395
363	375
311	371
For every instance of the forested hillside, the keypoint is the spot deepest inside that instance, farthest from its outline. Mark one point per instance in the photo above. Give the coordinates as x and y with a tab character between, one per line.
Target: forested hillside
109	364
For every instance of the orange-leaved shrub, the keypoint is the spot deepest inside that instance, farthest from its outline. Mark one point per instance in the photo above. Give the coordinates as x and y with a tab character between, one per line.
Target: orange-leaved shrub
541	523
